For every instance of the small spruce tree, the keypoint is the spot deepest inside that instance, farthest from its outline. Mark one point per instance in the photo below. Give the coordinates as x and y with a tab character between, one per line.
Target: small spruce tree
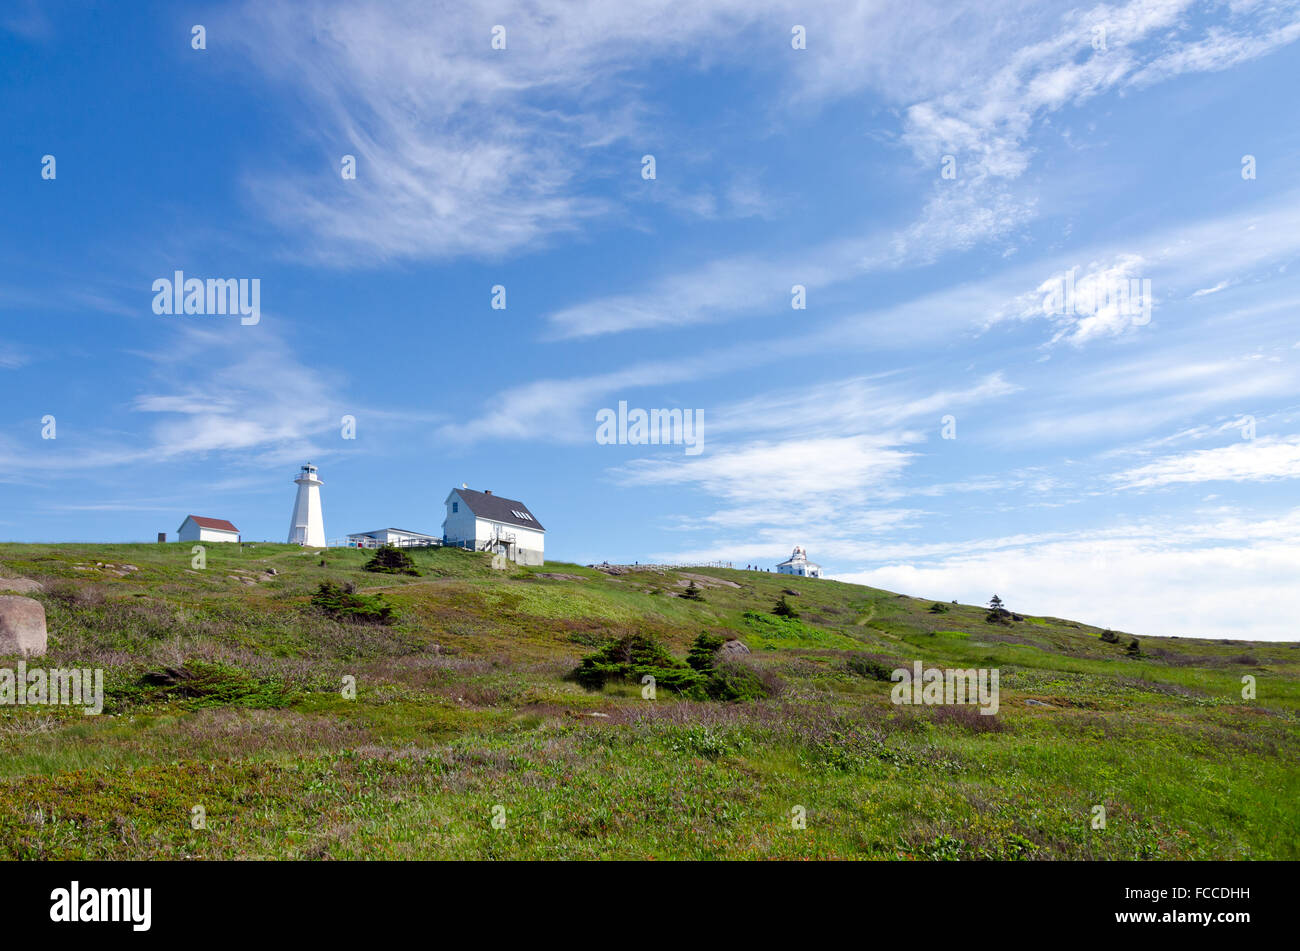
998	613
782	608
692	592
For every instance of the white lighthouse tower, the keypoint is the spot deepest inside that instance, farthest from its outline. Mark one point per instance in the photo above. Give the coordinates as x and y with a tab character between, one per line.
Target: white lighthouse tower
307	527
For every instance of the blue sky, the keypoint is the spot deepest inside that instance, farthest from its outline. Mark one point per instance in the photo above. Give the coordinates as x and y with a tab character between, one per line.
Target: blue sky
1130	468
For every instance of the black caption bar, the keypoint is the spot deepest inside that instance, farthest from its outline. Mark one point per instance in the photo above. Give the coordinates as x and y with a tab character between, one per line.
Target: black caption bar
140	901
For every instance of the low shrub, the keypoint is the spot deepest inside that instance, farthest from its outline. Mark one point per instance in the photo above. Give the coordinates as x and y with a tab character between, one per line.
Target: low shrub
873	668
700	677
631	657
736	680
344	604
215	685
391	561
700	656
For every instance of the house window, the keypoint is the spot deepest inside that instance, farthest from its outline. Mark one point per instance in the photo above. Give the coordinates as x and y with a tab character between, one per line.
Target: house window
455	506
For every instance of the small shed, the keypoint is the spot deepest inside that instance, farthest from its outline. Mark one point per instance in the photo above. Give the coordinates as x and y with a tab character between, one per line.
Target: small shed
200	528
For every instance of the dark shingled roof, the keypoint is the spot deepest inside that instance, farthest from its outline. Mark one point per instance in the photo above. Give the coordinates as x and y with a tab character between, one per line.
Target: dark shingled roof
486	505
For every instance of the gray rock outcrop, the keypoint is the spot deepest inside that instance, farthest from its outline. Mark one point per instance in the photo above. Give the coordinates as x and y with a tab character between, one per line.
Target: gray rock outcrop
22	626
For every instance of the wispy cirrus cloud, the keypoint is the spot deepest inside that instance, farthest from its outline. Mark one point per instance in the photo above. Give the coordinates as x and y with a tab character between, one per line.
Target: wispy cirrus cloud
463	150
793	469
1255	245
1206	291
827	460
207	392
1090	51
11	357
985	125
1265	459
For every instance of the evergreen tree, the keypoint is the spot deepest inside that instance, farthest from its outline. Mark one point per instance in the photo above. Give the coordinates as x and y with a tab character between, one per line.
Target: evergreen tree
391	561
998	614
782	608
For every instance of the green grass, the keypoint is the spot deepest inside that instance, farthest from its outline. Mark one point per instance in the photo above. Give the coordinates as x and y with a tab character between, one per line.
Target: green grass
465	703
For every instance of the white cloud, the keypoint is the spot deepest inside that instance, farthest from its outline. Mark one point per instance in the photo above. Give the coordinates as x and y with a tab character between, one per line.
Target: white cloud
830	465
465	151
1102	300
795	470
228	393
1259	460
1222	49
857	403
209	392
562	410
1223	579
1258	241
987	118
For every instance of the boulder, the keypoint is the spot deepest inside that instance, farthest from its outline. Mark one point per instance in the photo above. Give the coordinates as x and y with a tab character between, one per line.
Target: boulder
22	626
706	581
732	649
21	585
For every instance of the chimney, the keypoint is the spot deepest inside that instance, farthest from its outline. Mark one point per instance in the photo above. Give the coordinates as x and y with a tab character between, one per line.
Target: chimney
487	491
162	537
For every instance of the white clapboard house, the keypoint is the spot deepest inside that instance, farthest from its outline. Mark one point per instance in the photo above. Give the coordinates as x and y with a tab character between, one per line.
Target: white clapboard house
397	537
798	564
198	528
487	522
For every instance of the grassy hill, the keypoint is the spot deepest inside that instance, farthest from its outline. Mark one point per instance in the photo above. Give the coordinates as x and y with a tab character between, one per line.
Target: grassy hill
465	704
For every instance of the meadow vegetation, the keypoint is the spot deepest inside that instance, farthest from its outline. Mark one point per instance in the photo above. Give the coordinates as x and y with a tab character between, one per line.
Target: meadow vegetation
476	688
